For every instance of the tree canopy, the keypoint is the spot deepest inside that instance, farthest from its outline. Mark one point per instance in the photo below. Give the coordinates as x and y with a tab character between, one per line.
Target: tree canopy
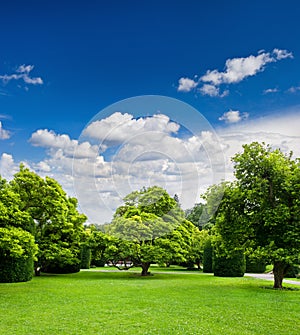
260	211
58	225
149	227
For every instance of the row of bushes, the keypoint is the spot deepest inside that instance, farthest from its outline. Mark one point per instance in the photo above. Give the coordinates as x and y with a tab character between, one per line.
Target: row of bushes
237	264
234	265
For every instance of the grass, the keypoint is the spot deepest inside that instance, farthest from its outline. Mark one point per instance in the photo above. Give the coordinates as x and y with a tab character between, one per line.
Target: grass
92	302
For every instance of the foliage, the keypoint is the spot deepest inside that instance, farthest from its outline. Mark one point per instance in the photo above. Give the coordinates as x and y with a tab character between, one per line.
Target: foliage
17	252
150	227
255	265
85	257
194	214
11	214
198	241
208	257
233	265
59	226
260	211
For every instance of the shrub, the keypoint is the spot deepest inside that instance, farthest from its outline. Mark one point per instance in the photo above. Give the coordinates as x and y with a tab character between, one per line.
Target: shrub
17	253
233	265
292	271
85	257
62	267
255	265
57	259
98	262
208	257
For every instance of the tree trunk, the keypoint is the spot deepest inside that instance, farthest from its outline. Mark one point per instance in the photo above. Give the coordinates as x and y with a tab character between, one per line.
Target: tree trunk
145	267
278	270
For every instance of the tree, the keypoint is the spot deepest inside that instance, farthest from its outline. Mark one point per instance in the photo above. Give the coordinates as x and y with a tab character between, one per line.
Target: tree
11	213
260	212
197	245
58	224
195	214
149	227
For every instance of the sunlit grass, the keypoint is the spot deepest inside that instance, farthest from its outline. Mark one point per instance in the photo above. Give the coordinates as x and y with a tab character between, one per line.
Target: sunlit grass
126	303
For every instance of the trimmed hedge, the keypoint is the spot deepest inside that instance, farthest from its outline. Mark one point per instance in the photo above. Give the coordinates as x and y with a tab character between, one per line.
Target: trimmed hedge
230	266
62	268
85	257
17	253
208	258
13	270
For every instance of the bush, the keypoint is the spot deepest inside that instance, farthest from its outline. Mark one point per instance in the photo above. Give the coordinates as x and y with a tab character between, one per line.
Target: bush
57	259
61	268
233	265
255	265
98	262
14	270
292	271
85	257
208	258
17	253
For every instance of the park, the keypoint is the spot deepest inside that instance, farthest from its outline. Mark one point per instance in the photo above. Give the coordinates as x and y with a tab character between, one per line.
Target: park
181	273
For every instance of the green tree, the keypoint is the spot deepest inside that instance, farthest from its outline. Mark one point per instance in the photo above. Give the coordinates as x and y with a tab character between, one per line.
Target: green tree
195	215
11	213
260	212
58	224
149	227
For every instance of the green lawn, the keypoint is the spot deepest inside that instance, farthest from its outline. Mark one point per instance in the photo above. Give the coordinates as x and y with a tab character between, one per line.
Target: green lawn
125	303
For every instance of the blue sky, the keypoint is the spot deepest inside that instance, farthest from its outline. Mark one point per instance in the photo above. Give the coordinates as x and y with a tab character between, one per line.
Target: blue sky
236	62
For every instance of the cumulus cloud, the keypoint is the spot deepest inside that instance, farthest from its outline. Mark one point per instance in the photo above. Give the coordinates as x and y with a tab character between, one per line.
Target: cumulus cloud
236	70
119	128
186	84
22	73
212	91
233	116
183	165
4	134
49	139
8	167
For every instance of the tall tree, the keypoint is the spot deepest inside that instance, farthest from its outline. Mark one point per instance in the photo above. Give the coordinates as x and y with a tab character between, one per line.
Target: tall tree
261	211
59	226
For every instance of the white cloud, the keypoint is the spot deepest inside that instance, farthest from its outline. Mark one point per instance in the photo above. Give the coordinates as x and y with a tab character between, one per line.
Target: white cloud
270	90
282	54
118	128
186	166
236	70
212	91
49	139
7	166
233	116
22	73
4	134
186	84
294	89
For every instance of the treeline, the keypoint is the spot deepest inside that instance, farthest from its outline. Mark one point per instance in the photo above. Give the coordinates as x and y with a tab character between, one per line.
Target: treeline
240	225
